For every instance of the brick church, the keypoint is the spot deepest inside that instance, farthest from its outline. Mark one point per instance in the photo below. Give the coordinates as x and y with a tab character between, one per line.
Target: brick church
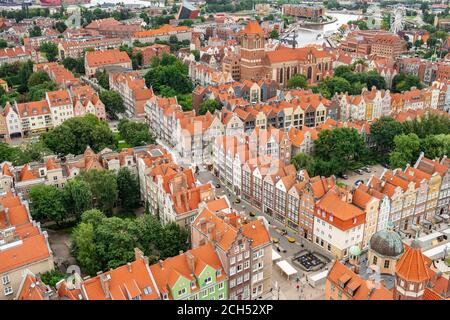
282	63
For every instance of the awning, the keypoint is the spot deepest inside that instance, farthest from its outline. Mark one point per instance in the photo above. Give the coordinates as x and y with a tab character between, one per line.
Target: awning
286	268
275	256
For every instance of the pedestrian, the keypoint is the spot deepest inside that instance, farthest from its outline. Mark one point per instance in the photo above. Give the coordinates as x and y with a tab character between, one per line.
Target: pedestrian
298	288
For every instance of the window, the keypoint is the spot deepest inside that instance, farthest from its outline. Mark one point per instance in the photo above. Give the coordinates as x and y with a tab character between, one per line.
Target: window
147	290
221	296
219	273
239	280
246	276
246	254
246	264
212	290
386	263
232	271
182	291
204	293
375	259
220	286
232	260
239	268
208	280
8	291
5	279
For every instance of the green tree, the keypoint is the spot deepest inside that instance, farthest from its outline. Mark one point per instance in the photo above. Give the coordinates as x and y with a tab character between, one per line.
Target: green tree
383	132
38	78
136	133
35	31
113	103
77	197
128	187
50	49
51	278
102	78
47	203
60	26
3	43
85	249
274	34
76	134
406	150
170	72
436	146
332	85
340	148
404	82
210	105
103	185
298	81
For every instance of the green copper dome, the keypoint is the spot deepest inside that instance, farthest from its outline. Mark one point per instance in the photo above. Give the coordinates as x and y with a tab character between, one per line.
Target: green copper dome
387	243
354	251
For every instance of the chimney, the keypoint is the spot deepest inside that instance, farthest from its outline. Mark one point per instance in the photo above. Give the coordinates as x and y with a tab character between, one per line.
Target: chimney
105	279
129	267
7	216
190	261
218	236
161	264
178	199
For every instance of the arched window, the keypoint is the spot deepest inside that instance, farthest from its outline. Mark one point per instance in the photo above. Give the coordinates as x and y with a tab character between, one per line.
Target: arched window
281	75
309	76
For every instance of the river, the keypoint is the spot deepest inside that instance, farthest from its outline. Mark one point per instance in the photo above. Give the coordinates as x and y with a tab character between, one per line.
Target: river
305	37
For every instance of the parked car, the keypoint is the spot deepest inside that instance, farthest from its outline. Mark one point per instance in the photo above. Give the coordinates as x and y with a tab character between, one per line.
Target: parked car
275	240
344	176
385	165
359	171
358	182
366	169
280	249
237	200
252	214
217	185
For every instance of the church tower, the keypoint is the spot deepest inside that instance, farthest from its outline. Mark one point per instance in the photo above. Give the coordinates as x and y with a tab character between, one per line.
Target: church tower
252	44
412	275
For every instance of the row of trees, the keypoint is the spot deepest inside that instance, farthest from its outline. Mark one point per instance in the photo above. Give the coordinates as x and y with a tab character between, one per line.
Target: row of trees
402	142
102	190
101	243
336	151
346	79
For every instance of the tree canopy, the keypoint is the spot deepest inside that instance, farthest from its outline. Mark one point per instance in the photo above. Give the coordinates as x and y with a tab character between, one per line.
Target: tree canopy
101	243
113	103
75	134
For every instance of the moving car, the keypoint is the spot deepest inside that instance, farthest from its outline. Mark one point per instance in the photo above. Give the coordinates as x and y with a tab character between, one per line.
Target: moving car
275	240
217	185
291	239
237	200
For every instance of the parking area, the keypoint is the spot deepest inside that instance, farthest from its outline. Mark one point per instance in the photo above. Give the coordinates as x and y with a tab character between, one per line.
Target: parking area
353	177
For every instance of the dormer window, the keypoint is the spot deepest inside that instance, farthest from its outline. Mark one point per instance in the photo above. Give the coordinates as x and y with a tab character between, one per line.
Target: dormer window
193	284
165	296
148	290
218	273
331	218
